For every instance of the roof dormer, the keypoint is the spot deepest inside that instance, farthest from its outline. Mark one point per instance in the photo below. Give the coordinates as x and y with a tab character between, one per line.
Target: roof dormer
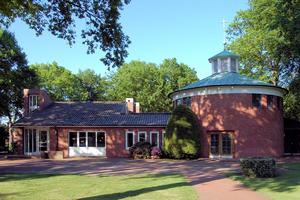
224	61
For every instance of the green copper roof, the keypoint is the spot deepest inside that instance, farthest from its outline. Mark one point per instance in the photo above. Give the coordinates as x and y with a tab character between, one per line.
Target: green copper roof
224	54
226	78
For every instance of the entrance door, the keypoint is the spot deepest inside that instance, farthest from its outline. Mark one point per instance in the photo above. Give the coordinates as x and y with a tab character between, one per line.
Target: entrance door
35	141
221	145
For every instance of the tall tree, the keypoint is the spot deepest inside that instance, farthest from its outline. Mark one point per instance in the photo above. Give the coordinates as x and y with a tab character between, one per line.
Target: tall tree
15	75
150	84
102	29
59	82
292	100
251	36
91	85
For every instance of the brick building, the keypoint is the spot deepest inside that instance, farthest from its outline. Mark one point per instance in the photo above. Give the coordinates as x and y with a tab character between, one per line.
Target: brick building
240	117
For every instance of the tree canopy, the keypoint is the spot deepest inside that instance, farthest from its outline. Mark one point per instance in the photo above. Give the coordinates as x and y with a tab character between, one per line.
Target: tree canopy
292	100
150	84
102	29
255	35
14	77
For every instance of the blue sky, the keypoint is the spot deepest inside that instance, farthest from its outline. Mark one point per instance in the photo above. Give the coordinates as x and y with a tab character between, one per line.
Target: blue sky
190	31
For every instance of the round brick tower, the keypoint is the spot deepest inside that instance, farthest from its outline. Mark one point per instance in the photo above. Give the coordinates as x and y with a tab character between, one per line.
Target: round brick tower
240	116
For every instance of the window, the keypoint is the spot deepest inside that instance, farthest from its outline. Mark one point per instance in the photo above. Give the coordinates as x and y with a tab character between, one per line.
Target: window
178	102
129	139
269	101
91	139
224	64
163	137
279	102
33	102
31	141
188	102
215	66
214	144
256	100
100	139
73	139
142	136
226	144
233	65
82	139
43	141
154	139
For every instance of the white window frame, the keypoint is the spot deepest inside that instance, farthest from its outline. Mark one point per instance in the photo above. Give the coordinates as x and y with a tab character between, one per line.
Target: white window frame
154	132
33	102
142	132
86	138
133	137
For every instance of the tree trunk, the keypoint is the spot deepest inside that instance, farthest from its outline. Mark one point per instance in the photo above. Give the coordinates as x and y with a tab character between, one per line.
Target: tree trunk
11	138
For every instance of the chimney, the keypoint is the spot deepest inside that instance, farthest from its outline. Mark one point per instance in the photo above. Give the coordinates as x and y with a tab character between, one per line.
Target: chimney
137	107
132	107
35	99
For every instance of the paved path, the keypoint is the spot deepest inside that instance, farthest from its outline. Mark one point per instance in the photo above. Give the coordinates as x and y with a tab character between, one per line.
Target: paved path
206	176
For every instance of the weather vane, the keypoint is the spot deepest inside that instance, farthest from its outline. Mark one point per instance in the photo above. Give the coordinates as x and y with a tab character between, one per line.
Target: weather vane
224	22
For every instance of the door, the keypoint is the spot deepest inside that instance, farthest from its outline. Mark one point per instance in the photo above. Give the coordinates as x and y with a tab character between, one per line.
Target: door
221	145
43	141
30	142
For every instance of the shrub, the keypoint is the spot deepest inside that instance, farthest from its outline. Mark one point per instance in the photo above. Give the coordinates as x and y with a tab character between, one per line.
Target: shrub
140	150
182	138
155	152
258	167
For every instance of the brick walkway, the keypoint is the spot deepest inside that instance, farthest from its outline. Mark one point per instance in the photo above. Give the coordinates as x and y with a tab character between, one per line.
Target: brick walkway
205	176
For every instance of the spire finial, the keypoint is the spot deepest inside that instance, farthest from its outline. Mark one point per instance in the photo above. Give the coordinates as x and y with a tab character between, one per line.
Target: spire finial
224	22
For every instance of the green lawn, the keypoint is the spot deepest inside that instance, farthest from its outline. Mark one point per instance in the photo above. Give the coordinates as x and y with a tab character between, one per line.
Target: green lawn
145	186
286	186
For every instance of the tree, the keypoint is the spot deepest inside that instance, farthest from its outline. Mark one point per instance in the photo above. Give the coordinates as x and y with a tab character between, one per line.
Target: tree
183	132
91	85
15	75
252	35
59	82
292	100
150	84
287	19
101	17
136	79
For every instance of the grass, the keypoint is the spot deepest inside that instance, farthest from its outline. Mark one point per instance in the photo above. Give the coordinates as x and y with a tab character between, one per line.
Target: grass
285	186
143	186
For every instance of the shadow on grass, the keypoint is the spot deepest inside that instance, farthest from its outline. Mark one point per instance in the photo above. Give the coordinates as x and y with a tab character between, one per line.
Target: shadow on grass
288	180
22	177
132	193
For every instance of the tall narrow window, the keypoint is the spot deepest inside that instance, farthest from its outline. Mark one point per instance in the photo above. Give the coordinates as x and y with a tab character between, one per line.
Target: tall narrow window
73	139
154	139
215	66
91	139
233	65
214	144
188	102
100	139
269	101
279	102
142	136
224	65
33	102
82	139
256	100
129	139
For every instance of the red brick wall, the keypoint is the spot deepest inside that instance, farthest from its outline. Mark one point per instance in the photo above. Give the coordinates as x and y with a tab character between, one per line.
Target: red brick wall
115	139
257	132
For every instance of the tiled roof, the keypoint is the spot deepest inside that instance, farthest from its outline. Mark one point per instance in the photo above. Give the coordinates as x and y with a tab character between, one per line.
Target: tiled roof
91	114
224	54
226	78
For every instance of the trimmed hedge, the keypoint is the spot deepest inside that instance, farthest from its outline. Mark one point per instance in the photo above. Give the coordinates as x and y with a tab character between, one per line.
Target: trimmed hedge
140	150
183	132
258	167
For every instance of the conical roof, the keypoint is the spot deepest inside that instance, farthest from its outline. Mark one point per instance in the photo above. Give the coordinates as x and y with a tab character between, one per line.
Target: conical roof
224	54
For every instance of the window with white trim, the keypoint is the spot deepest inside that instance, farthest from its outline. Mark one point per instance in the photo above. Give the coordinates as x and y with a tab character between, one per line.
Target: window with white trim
129	139
154	139
33	102
142	136
87	139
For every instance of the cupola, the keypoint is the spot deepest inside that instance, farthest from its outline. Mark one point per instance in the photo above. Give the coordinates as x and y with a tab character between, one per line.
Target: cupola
224	61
